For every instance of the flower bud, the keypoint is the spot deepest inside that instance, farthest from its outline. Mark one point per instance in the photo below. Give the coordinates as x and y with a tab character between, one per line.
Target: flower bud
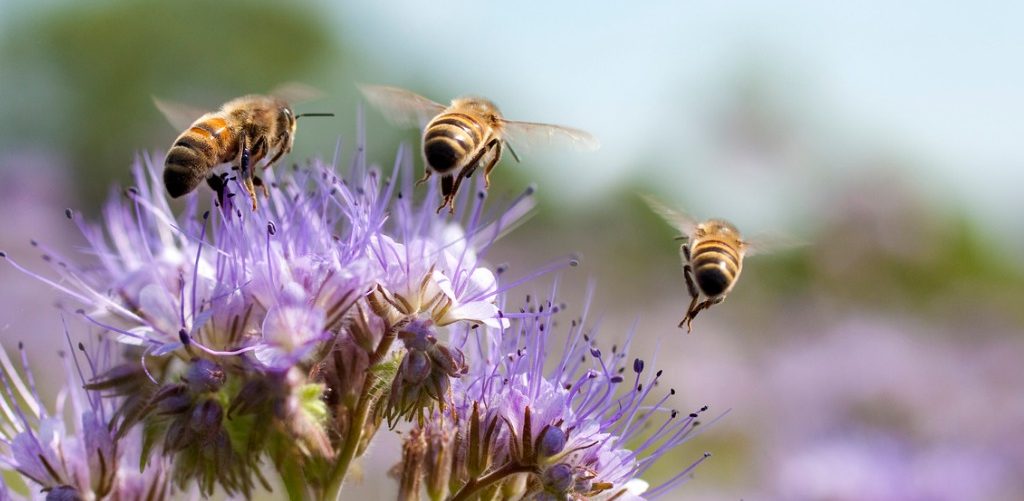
175	404
206	418
449	360
413	453
204	376
558	478
438	464
178	436
415	367
418	335
551	441
63	493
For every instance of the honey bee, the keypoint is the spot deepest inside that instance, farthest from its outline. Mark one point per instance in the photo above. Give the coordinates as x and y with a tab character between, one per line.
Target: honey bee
244	132
712	253
460	137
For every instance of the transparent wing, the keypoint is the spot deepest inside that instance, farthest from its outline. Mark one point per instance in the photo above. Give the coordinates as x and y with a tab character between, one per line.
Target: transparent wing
767	243
685	223
295	92
181	116
401	107
525	134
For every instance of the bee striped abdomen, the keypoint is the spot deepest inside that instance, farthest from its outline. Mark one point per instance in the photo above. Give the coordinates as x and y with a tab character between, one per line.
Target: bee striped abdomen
194	153
716	265
449	139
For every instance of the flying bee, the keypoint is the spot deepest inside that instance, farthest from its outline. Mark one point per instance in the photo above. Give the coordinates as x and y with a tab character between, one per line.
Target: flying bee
244	132
712	253
464	135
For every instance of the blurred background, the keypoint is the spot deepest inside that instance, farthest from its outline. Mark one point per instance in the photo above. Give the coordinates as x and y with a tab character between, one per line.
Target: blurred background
880	361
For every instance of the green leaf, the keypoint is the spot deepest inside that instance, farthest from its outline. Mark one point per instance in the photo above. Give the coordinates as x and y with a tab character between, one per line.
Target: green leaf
383	375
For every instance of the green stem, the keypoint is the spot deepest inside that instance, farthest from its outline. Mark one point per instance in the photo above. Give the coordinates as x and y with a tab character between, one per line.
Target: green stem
477	484
355	430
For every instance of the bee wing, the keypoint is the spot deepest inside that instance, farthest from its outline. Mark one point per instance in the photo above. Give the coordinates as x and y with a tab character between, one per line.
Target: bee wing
766	243
521	134
295	92
683	222
181	116
401	107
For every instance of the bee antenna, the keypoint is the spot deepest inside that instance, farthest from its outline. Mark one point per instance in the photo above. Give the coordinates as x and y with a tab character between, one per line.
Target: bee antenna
300	115
513	152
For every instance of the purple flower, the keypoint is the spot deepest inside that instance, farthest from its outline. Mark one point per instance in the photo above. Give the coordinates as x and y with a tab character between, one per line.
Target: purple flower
285	336
84	461
560	415
218	278
254	334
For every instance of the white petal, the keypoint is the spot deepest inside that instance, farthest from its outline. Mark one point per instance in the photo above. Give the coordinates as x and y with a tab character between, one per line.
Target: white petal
290	326
476	311
444	283
637	486
481	281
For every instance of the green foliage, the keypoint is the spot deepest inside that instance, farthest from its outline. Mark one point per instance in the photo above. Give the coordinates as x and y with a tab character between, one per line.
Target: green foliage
383	374
14	482
311	399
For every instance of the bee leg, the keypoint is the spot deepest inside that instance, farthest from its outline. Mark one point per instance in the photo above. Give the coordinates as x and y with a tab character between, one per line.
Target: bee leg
705	305
690	286
245	171
494	161
447	193
691	312
694	295
217	183
474	162
258	183
277	156
466	172
426	175
495	146
251	190
686	251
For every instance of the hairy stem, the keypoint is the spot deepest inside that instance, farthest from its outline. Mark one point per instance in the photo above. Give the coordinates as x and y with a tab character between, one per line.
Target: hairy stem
358	418
475	485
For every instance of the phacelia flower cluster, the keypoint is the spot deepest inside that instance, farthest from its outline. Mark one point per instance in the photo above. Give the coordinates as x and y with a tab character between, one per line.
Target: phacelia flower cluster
287	337
540	420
